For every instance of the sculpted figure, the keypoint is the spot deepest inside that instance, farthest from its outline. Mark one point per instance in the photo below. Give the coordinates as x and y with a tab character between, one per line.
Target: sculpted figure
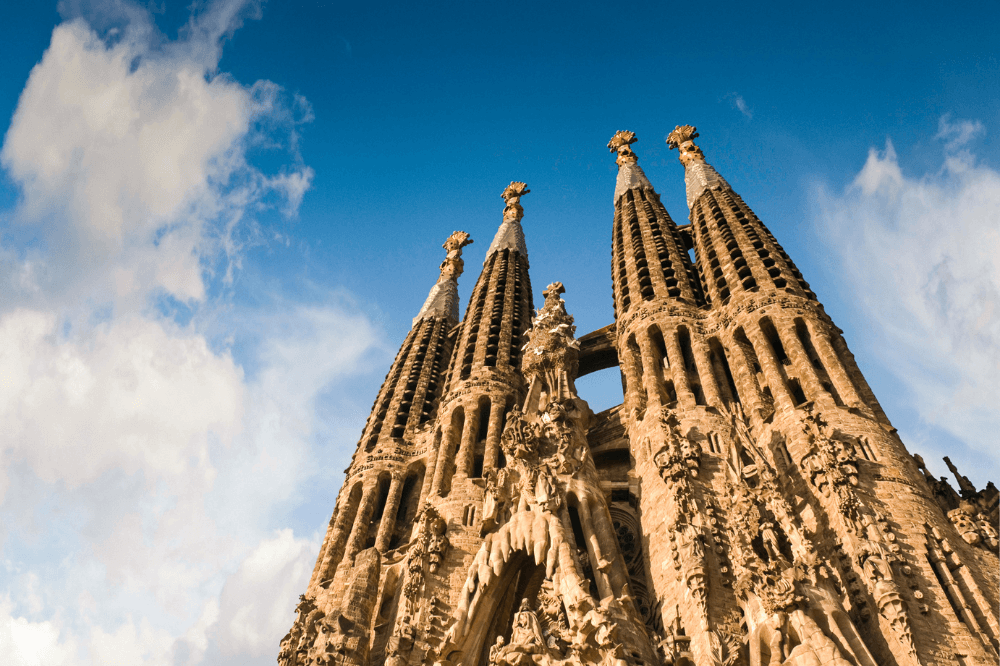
437	544
495	650
400	643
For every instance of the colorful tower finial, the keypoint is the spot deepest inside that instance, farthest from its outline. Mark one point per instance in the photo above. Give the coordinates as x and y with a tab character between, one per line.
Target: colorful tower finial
683	138
443	299
452	266
510	236
512	195
621	143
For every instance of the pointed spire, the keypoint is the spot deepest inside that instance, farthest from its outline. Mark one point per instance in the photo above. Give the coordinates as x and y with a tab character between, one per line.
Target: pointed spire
510	236
443	298
630	174
698	175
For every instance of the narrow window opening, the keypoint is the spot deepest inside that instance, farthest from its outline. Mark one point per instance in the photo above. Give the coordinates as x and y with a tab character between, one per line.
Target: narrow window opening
796	390
484	420
720	362
407	507
383	495
668	387
767	327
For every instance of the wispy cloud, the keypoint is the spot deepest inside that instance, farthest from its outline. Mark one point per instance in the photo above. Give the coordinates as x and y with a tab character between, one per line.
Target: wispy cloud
740	104
920	254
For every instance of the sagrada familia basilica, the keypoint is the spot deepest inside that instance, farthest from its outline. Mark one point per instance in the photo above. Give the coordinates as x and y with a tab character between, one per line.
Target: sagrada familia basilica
748	504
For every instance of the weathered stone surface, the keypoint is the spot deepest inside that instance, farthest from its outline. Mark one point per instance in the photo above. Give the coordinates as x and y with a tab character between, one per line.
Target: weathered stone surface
748	504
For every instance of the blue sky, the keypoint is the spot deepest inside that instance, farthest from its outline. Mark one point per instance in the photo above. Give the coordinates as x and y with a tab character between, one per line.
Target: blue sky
215	228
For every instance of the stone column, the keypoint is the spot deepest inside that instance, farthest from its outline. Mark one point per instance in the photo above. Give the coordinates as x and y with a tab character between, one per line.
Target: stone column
337	538
769	366
800	360
852	368
492	452
838	373
685	396
430	472
446	452
633	390
388	522
363	517
650	374
708	378
468	447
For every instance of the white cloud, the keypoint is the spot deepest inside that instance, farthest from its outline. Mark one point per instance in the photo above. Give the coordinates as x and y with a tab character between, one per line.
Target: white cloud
142	470
740	104
128	394
26	643
257	600
920	253
131	160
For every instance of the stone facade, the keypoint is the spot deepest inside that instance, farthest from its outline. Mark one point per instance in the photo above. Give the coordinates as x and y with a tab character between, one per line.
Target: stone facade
748	504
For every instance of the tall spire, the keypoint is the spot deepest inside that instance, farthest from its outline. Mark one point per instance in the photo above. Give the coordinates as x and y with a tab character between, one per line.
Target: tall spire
630	174
411	389
649	258
698	175
443	299
738	253
510	235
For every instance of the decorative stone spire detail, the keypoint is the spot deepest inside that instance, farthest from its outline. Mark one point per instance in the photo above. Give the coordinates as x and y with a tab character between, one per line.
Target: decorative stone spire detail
551	354
630	174
443	298
510	236
698	176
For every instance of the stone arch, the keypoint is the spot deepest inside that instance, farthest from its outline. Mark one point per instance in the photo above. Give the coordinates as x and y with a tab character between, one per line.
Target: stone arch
531	542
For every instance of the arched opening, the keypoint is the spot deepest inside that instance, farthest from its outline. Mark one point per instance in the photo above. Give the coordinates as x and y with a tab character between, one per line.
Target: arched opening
482	432
382	494
521	581
690	366
601	389
408	506
454	435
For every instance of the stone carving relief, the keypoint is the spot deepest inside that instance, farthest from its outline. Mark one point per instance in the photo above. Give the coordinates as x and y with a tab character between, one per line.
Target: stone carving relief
679	456
683	138
974	527
453	265
527	523
832	468
621	143
779	579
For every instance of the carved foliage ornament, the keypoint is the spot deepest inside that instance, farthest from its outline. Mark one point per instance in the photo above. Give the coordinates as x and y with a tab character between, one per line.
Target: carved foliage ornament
452	266
512	196
551	351
679	456
621	143
682	138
